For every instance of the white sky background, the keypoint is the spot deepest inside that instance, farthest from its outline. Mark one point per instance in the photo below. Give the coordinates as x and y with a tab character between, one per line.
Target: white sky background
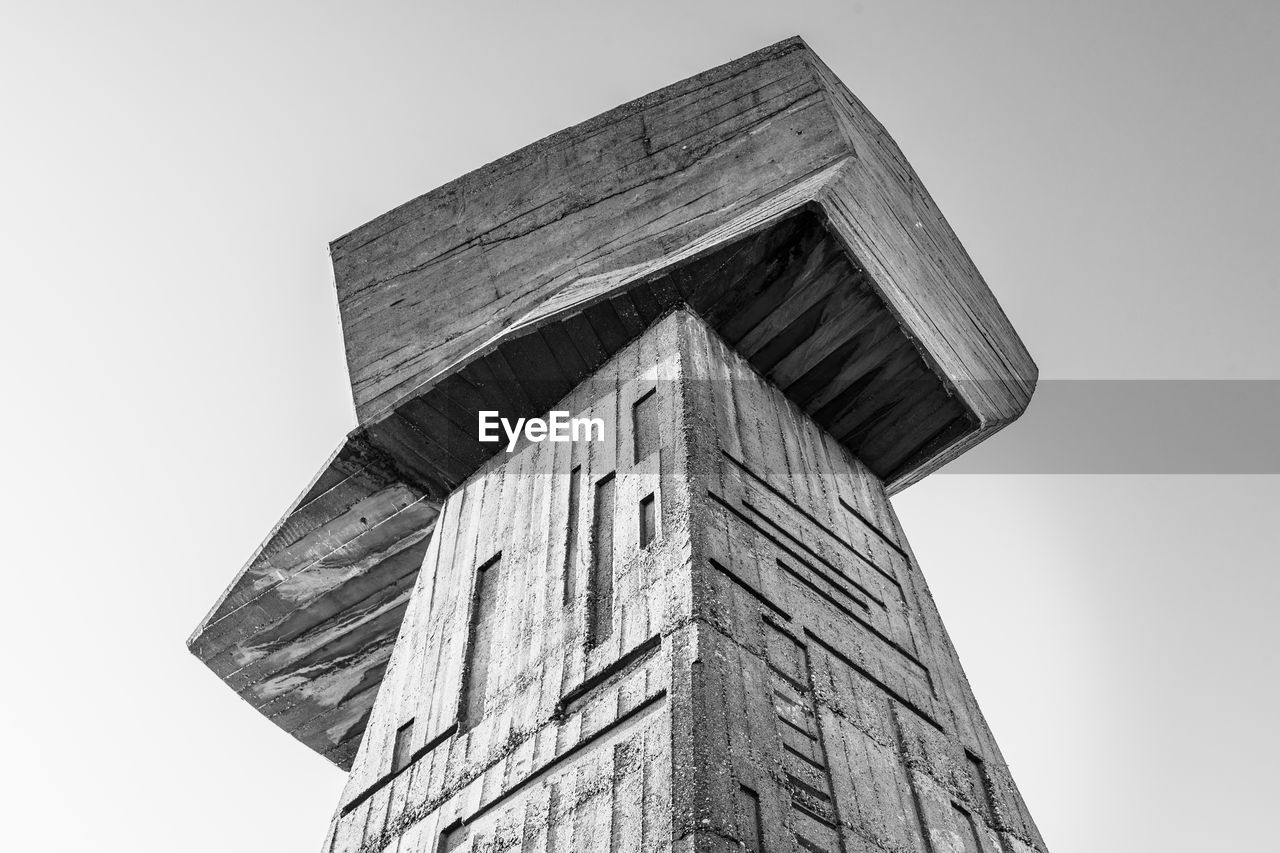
171	173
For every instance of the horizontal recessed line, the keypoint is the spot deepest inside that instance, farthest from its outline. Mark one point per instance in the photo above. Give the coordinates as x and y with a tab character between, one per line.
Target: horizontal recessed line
804	732
816	556
807	788
821	592
622	664
884	688
811	846
825	821
630	718
795	685
782	546
862	622
755	593
871	629
870	525
391	777
435	741
874	529
800	755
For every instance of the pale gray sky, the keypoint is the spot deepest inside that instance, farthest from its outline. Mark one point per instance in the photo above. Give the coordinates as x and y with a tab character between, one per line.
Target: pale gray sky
172	173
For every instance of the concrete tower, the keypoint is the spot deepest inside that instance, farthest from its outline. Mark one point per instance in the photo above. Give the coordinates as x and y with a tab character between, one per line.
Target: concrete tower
698	625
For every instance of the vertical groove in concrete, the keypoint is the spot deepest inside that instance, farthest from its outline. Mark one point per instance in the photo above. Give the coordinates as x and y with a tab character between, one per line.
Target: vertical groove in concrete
767	674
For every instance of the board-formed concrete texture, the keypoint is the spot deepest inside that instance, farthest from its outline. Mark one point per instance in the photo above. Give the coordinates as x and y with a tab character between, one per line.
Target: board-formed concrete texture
706	631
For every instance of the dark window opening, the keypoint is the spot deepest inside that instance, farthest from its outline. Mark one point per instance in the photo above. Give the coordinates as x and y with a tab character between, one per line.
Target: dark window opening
600	617
752	828
484	619
983	797
648	521
452	837
644	425
571	544
968	829
402	753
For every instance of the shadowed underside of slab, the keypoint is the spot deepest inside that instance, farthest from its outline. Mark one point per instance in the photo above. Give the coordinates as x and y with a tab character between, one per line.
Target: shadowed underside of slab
786	294
432	280
760	194
304	632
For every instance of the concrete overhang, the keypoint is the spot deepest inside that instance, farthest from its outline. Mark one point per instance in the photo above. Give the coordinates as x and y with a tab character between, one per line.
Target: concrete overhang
760	194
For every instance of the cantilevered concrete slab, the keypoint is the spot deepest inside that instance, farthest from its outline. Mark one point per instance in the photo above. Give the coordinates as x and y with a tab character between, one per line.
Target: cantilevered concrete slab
760	194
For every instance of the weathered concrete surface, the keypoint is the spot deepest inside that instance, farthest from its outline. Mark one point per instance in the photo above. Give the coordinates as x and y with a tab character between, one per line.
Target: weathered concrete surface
577	705
760	195
632	194
773	674
305	631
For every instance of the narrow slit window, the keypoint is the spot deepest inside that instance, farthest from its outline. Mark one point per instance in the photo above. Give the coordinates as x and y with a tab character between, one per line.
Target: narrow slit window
402	752
648	520
982	788
484	617
644	424
600	621
968	829
752	828
452	837
571	544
